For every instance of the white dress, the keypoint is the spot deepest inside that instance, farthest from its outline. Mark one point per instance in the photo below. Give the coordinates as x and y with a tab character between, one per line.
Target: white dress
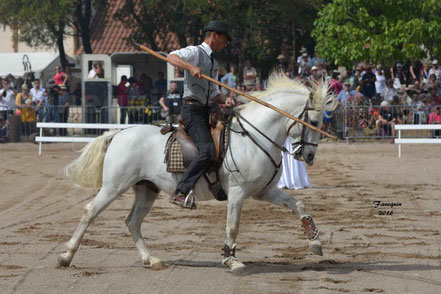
294	174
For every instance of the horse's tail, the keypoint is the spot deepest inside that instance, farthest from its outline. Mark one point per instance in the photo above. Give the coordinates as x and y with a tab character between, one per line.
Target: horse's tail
87	170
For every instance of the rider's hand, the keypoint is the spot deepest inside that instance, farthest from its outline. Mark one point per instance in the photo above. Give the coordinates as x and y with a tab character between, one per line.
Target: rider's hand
196	72
166	109
229	102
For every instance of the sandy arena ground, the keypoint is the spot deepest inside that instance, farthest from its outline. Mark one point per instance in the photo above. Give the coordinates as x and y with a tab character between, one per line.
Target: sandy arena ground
364	252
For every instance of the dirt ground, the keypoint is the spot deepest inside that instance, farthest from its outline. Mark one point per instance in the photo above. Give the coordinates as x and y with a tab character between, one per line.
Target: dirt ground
364	252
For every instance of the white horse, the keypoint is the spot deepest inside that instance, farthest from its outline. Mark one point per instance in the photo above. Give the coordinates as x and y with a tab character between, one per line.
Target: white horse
134	158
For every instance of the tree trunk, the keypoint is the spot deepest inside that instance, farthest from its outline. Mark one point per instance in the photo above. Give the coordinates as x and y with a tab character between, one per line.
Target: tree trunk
60	37
293	40
84	24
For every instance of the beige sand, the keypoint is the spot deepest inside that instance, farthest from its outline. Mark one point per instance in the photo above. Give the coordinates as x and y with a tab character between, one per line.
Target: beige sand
363	251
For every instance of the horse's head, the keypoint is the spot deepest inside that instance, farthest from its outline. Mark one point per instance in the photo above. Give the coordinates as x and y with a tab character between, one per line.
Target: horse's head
305	140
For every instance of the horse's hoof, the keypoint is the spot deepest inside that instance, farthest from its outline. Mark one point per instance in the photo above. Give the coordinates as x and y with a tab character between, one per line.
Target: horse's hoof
237	267
156	264
62	261
316	246
234	265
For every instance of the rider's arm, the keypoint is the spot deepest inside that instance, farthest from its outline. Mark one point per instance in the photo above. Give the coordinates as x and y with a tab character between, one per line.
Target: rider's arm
186	58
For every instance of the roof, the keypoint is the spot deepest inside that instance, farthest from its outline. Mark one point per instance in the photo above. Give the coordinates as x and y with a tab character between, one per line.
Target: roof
109	35
12	63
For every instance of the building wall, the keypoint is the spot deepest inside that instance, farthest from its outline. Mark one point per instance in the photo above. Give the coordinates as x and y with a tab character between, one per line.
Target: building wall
7	45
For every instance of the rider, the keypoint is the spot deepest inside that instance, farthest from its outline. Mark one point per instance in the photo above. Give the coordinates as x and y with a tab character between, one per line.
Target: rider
198	95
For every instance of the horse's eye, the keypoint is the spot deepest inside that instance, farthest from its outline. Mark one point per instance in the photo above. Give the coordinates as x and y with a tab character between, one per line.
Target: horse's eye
314	123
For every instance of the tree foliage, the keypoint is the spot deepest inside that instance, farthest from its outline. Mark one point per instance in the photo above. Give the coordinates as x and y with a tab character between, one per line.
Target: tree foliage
347	31
47	23
259	29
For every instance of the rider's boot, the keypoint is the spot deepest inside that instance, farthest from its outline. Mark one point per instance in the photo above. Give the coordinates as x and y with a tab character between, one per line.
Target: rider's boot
185	201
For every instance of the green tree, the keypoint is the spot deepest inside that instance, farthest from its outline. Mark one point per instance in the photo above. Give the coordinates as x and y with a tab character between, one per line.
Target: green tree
347	31
259	29
47	23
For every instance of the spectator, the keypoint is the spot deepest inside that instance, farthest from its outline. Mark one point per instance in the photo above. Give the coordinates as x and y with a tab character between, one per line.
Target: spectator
59	77
417	106
20	99
123	97
335	84
316	60
52	103
133	88
172	103
300	57
13	84
230	79
424	76
352	79
396	109
386	121
368	83
399	73
7	100
322	71
389	92
315	76
435	98
95	72
305	65
344	94
145	85
435	70
415	71
38	98
435	118
161	83
63	108
380	83
249	76
28	117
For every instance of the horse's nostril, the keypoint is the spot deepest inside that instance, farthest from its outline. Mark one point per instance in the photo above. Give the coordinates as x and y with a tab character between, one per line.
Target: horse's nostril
310	157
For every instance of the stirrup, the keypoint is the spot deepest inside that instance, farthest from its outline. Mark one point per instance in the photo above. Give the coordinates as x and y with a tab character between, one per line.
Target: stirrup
191	201
310	228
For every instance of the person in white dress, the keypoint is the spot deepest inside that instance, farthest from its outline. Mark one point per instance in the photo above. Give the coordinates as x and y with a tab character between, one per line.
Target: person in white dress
294	174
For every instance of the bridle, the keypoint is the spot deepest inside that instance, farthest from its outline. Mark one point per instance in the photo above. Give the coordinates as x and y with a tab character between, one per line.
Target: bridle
299	144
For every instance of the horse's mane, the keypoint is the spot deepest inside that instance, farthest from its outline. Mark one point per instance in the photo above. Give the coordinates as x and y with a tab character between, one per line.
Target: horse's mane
278	83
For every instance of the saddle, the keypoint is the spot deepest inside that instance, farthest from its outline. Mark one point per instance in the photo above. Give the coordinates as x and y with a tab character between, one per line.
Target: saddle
180	150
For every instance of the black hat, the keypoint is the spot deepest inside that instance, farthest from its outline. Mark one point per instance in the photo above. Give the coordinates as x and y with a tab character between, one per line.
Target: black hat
218	27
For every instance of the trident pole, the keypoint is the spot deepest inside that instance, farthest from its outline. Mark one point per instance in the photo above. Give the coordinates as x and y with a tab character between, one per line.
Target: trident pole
157	55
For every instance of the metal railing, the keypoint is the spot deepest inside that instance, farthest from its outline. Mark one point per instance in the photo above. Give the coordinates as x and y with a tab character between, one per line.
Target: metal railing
362	122
348	121
17	123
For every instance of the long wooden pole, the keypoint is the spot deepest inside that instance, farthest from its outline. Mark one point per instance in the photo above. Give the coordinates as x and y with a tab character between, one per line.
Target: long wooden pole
144	48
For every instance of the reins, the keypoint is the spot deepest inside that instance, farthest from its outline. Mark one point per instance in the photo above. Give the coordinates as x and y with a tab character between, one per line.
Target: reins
302	142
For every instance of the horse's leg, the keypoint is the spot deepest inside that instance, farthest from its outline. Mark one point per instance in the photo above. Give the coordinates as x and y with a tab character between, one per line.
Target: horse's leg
235	203
92	209
144	199
278	197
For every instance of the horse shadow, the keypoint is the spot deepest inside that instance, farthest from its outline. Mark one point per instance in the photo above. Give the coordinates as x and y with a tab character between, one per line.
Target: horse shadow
330	266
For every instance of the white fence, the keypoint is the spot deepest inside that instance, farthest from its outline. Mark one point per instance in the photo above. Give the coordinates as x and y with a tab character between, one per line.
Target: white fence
40	139
400	141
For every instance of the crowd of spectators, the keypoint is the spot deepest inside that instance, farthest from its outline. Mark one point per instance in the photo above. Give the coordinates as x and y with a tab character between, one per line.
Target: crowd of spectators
372	96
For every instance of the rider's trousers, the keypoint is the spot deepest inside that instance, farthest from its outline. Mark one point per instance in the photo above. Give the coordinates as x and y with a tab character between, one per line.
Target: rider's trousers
196	121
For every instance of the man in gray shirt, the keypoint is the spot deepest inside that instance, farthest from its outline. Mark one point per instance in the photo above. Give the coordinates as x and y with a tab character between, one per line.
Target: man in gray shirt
198	95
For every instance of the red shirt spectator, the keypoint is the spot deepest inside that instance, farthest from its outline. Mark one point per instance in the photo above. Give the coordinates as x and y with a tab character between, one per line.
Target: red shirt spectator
59	77
123	92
